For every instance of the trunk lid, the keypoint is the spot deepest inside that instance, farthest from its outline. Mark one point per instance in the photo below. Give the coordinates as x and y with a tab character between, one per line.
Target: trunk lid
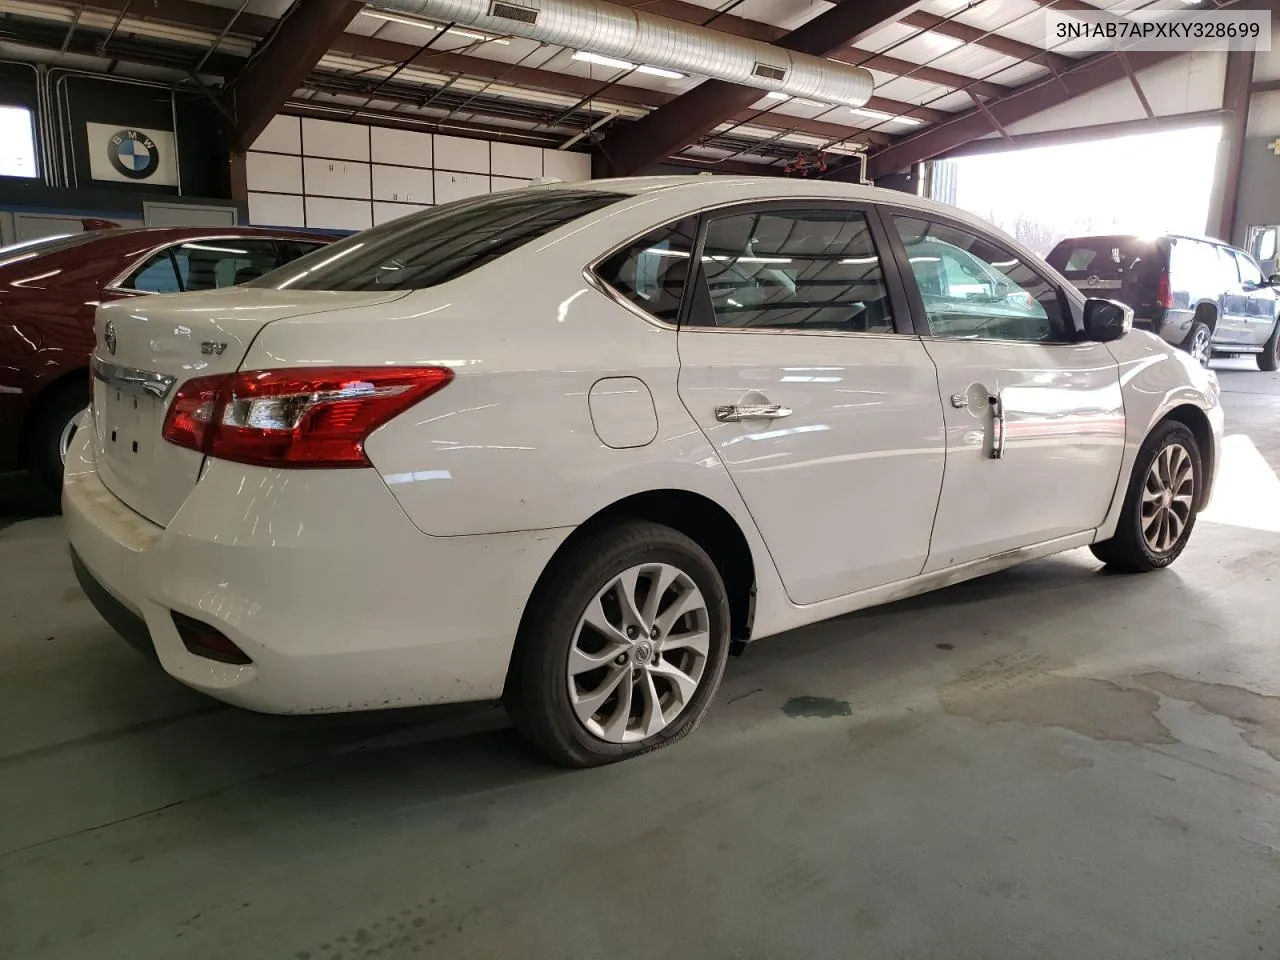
146	348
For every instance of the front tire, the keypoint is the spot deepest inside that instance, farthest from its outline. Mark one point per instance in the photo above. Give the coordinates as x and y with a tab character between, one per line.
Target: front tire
622	647
1269	358
1199	343
1159	509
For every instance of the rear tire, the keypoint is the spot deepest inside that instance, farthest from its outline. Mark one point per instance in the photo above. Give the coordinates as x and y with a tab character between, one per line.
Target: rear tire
1269	358
52	432
1199	343
1159	509
594	678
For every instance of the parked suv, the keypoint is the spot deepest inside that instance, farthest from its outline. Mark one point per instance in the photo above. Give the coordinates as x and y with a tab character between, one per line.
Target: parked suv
49	289
1204	296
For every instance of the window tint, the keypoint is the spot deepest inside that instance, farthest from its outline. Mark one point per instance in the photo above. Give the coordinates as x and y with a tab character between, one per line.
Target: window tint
1249	272
437	245
792	270
157	275
651	271
1106	257
973	288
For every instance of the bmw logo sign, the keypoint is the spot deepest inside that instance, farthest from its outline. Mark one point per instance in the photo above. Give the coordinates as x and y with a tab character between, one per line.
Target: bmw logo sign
133	154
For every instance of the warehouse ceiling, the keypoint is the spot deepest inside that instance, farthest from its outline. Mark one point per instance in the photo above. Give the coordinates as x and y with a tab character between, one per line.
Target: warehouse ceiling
945	72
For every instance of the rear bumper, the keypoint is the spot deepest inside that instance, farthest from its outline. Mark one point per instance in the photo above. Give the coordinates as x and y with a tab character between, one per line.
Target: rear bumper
338	600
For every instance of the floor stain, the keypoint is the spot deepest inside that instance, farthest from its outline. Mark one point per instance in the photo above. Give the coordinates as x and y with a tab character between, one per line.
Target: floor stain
1255	714
1022	687
819	707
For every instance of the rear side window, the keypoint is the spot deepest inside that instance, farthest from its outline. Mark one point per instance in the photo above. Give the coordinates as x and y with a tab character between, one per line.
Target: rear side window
780	269
437	245
651	272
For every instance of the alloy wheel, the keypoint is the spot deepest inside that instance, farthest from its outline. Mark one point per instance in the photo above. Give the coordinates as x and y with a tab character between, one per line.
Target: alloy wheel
639	652
65	437
1167	498
1201	343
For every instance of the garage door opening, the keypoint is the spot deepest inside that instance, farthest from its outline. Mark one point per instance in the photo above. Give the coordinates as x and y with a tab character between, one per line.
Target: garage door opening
1143	184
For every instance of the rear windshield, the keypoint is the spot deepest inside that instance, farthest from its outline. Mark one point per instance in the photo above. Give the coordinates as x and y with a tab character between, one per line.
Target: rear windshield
437	245
1101	256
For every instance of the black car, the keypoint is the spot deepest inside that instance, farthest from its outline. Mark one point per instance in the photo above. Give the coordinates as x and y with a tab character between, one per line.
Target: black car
1202	295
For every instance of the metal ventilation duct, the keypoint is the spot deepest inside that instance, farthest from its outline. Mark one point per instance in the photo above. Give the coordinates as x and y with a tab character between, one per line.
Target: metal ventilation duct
633	35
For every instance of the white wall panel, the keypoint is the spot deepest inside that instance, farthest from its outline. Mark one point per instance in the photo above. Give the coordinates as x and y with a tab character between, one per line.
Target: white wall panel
408	148
331	214
457	153
382	212
276	210
331	138
283	135
273	172
507	183
516	160
566	166
1264	116
458	186
335	178
403	184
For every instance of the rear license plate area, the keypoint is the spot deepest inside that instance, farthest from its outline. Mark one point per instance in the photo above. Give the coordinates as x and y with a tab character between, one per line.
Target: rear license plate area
125	424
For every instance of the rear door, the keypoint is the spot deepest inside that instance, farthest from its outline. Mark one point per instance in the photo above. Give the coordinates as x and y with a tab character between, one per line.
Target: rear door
1034	421
1236	322
799	363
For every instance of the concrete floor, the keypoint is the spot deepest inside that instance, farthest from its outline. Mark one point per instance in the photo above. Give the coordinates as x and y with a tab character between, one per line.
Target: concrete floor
1050	762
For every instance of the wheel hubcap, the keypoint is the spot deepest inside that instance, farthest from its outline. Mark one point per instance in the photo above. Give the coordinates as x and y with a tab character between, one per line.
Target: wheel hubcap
1167	498
639	652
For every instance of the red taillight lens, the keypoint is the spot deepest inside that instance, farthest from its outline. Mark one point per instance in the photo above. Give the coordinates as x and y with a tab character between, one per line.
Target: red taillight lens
1164	295
192	411
302	417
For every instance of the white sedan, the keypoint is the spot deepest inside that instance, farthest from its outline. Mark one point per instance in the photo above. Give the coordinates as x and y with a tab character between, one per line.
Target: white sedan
567	444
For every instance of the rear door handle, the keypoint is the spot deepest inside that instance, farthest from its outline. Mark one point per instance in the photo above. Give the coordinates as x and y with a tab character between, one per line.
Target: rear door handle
734	412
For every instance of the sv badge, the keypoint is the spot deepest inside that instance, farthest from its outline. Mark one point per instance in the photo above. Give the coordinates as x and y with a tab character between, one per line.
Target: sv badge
210	348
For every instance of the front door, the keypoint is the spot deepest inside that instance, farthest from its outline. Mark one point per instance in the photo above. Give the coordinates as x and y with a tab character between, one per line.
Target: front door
1258	302
799	364
1034	422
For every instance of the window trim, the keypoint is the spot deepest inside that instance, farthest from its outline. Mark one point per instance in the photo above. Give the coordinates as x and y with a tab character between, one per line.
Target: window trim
1067	304
894	284
115	285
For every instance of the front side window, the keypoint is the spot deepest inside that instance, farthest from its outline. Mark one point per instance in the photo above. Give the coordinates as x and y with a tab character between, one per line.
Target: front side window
1249	272
803	270
440	244
651	272
974	289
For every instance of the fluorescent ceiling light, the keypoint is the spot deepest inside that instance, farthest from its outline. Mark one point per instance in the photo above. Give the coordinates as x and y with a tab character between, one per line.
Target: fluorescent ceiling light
775	95
660	72
881	115
428	25
604	61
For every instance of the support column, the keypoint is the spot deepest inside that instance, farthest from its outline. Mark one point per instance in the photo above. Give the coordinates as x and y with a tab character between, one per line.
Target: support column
1235	100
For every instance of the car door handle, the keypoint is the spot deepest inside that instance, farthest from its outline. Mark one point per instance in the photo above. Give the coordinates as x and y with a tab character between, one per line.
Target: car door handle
734	412
997	427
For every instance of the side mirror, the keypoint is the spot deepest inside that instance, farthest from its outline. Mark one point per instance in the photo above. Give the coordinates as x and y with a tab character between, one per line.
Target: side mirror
1106	320
1273	280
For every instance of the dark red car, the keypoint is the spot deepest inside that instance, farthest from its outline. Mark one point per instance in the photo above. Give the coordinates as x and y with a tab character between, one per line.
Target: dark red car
49	290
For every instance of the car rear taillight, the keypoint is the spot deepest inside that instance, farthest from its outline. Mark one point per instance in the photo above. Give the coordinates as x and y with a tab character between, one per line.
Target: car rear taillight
1164	294
301	417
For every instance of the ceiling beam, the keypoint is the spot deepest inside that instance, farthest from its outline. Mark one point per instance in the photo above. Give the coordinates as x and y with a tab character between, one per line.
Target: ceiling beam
1085	76
956	30
280	63
665	131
